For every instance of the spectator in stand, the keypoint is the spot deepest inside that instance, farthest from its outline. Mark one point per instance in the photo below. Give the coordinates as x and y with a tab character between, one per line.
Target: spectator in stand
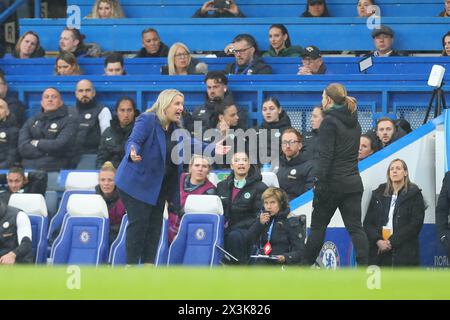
92	118
280	43
66	65
217	93
315	9
72	40
194	182
446	44
366	146
28	46
46	139
113	139
219	9
365	8
245	50
16	181
312	62
114	65
310	139
152	46
394	219
15	236
446	11
386	132
241	195
9	134
276	232
275	121
295	174
180	62
443	214
106	9
383	39
16	107
107	189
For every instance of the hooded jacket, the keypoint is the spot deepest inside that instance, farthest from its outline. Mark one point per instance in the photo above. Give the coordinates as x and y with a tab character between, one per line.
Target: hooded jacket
409	214
279	126
241	212
338	146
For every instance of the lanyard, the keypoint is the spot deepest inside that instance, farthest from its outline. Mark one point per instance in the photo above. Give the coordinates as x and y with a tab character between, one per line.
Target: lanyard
236	67
269	232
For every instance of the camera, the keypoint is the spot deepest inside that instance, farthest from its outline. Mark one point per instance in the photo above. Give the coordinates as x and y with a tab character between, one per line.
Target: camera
222	4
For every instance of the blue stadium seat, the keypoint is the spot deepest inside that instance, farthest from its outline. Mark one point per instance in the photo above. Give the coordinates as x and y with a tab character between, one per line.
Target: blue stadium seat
81	180
84	235
33	204
57	220
201	231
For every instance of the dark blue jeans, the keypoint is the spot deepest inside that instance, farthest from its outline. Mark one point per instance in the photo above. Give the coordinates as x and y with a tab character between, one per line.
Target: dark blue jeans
143	230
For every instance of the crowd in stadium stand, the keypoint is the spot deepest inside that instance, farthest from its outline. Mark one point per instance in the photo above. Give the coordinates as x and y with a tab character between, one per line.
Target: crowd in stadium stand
258	217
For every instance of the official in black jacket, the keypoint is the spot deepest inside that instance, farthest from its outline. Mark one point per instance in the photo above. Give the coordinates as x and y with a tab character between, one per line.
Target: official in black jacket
9	134
152	46
17	182
217	94
276	232
46	140
295	173
245	50
275	121
310	139
15	236
338	183
112	142
93	118
241	198
443	214
397	207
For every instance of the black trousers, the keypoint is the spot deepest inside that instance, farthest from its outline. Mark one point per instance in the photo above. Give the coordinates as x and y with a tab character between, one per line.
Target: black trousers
325	205
236	245
143	230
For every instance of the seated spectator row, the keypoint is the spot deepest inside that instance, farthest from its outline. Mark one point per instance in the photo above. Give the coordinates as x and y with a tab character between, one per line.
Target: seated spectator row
269	8
142	66
330	34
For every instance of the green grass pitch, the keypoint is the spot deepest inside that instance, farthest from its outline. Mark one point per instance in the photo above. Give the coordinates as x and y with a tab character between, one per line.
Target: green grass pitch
35	282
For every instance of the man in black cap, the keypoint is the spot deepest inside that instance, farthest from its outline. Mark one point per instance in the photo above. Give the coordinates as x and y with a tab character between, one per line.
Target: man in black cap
383	39
312	62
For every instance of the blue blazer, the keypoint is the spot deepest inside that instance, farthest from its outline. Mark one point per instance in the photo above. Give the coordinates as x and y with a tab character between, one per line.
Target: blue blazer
143	180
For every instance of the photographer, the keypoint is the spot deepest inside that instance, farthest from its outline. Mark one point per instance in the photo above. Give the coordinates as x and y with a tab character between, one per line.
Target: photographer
219	9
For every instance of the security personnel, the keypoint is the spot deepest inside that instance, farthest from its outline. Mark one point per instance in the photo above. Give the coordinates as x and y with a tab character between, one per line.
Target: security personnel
93	118
46	139
15	236
9	134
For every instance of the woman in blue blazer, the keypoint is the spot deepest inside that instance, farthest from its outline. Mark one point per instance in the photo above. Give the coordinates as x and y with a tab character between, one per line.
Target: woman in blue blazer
147	176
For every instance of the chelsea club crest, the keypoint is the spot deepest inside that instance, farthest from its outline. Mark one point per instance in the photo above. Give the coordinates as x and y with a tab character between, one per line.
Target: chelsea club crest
329	256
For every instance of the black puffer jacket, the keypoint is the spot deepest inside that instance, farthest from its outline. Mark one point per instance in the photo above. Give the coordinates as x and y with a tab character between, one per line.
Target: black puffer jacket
278	128
287	238
162	52
257	66
310	149
409	213
241	212
338	143
17	108
443	213
295	176
36	183
9	135
56	132
112	143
